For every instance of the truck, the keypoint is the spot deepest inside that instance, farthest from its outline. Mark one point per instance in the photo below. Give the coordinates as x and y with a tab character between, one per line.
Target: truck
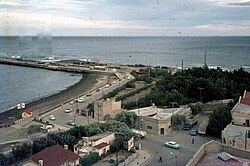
190	122
202	128
140	133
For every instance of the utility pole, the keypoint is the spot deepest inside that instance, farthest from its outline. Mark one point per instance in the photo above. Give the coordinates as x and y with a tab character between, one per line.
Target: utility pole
200	92
182	64
76	108
205	59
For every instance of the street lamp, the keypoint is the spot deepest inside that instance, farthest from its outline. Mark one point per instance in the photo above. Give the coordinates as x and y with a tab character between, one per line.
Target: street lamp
200	92
175	156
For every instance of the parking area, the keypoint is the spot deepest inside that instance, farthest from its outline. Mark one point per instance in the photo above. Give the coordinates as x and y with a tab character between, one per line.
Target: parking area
173	157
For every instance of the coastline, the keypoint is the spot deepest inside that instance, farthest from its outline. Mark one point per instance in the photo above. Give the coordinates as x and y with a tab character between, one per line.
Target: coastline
86	83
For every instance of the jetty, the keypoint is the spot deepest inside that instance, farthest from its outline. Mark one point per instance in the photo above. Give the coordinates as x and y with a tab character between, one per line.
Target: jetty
75	66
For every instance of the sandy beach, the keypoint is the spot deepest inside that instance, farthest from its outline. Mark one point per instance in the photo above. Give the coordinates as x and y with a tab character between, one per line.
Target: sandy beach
87	82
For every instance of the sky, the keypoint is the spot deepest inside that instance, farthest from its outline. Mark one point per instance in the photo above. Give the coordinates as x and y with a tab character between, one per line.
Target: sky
125	17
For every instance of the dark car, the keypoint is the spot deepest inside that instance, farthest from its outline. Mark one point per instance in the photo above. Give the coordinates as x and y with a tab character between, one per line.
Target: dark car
194	132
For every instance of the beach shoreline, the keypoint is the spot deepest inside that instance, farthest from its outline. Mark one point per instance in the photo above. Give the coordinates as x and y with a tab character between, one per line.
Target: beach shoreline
86	83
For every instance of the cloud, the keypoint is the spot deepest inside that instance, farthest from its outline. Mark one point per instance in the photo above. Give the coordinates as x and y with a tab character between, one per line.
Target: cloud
241	4
148	17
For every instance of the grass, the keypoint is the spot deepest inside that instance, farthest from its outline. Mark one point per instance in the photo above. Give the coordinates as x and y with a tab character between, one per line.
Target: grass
34	129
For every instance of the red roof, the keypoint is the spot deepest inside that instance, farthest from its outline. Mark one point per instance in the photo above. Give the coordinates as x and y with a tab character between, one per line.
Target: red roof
247	94
55	155
101	145
245	101
28	111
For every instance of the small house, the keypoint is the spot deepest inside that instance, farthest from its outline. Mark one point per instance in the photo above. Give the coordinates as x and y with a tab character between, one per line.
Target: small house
27	114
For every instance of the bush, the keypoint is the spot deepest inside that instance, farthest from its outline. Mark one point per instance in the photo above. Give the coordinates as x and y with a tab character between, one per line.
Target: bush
90	159
130	85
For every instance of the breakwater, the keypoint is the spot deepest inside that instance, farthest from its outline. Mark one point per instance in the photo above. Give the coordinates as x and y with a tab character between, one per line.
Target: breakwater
66	66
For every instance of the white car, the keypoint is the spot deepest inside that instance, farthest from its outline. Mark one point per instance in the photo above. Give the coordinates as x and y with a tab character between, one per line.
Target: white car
106	86
52	117
68	110
80	100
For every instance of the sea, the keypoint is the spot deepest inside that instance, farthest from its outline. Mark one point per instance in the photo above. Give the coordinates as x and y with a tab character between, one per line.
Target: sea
22	84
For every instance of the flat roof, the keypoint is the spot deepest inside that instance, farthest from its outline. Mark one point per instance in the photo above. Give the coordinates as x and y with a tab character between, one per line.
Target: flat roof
235	131
214	160
99	136
156	113
242	108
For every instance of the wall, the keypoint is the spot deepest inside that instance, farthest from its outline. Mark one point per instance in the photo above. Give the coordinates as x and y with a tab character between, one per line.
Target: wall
209	147
239	118
236	141
147	121
104	107
108	139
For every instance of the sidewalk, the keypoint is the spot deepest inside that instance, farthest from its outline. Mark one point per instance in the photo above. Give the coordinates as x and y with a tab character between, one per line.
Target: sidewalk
142	158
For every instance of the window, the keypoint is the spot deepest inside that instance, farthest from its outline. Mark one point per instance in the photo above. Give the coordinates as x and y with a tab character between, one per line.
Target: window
150	127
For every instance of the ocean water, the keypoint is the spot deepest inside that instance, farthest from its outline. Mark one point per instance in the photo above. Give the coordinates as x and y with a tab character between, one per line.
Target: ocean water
23	84
225	52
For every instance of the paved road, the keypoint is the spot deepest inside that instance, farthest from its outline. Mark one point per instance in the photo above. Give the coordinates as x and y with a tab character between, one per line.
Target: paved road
62	117
172	157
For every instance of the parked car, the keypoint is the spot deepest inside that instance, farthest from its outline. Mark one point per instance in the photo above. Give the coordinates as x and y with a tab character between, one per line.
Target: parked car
52	117
46	127
194	132
80	100
172	144
97	90
72	102
106	86
88	94
68	110
71	123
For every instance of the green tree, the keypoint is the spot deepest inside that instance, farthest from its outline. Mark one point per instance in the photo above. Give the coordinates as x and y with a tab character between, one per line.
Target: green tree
196	107
3	160
218	120
92	129
177	120
129	118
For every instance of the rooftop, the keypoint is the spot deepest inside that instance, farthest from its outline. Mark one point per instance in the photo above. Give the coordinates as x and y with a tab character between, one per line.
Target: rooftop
245	98
226	160
28	111
101	145
246	94
99	136
235	131
242	108
55	155
157	113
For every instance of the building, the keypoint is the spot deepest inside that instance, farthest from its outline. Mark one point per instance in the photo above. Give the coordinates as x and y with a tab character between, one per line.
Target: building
217	154
106	108
157	120
55	155
27	114
237	134
98	143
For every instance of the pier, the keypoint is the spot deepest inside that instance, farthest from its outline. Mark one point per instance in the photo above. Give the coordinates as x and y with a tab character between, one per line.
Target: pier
75	66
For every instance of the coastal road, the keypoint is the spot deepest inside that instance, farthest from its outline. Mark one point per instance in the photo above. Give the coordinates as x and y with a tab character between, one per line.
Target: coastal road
173	157
62	117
